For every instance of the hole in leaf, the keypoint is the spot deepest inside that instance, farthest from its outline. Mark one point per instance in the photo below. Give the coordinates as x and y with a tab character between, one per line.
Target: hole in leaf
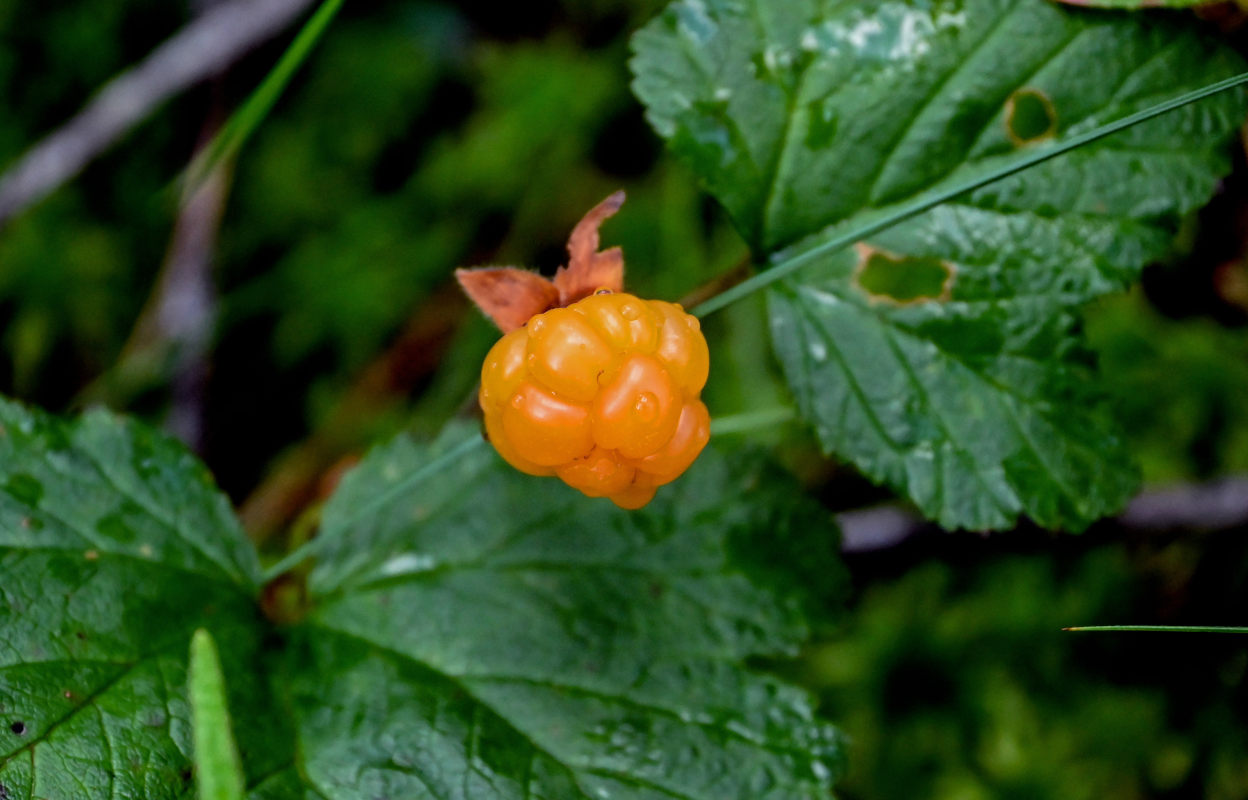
1029	117
19	728
902	279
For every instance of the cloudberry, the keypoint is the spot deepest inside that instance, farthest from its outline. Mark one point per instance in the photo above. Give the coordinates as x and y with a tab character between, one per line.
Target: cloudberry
603	393
589	383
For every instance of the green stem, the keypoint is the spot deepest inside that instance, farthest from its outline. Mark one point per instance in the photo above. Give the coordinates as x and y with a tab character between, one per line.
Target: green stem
751	420
855	233
413	479
248	117
1160	628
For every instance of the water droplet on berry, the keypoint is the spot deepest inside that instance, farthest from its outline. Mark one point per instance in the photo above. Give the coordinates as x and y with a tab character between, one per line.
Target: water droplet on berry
603	290
517	400
647	406
536	325
693	323
629	311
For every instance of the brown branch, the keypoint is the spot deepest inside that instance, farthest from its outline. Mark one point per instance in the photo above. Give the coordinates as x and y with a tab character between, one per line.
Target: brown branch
202	48
170	341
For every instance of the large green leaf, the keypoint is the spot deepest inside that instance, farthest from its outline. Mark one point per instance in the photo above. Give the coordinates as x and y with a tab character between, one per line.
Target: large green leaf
491	635
940	356
114	547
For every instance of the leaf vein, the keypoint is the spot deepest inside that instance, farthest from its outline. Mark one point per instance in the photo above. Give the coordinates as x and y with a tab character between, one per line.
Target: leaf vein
86	703
160	515
760	742
993	30
457	681
968	457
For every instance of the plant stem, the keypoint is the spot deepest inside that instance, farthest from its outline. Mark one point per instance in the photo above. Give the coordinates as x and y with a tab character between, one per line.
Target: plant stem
786	266
297	556
1159	628
751	420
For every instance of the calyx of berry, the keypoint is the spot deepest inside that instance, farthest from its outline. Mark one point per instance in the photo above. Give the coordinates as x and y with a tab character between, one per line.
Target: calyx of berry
511	296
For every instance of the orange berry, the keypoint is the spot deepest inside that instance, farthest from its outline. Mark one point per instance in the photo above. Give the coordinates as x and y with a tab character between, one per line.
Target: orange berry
602	393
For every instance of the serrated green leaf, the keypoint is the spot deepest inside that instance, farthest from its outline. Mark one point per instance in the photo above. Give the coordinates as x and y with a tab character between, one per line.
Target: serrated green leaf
218	771
808	118
492	635
977	417
114	547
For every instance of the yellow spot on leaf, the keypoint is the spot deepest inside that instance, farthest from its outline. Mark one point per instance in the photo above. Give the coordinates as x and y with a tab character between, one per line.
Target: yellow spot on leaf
1029	117
902	280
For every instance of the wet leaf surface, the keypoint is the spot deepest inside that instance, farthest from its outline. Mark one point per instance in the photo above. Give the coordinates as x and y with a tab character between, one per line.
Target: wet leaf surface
494	635
807	118
114	547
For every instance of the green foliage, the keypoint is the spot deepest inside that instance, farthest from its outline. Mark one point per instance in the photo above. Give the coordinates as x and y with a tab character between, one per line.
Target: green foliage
807	118
115	547
1178	388
558	647
957	682
547	646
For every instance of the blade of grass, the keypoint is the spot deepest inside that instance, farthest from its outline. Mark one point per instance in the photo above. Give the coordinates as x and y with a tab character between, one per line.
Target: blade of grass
247	118
1158	629
787	265
218	769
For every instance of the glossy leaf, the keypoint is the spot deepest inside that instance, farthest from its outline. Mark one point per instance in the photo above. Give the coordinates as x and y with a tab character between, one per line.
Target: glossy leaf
970	394
492	635
114	547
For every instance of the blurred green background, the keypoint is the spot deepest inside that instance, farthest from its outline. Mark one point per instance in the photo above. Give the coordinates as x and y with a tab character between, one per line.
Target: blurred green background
423	136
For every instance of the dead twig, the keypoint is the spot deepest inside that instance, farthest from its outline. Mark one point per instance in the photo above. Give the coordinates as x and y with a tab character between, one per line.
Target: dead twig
1218	505
201	49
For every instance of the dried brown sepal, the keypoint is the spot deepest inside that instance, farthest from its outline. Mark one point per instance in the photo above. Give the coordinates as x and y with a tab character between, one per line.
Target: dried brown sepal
507	295
588	270
511	297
